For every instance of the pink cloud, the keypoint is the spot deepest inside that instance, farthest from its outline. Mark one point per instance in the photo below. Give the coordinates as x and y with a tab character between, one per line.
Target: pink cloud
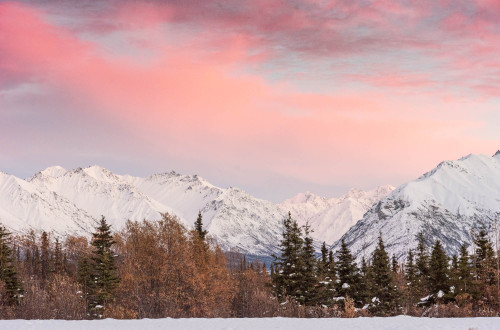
202	107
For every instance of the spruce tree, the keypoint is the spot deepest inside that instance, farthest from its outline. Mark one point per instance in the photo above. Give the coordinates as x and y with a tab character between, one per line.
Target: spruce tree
288	265
484	257
330	280
8	274
104	269
366	283
348	274
384	291
325	285
44	257
394	264
85	278
438	270
454	274
198	227
411	276
422	260
58	258
309	279
464	271
323	262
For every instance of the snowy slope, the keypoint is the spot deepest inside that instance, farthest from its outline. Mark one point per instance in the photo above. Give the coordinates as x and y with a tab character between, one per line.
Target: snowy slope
330	218
447	203
100	192
234	218
23	206
72	201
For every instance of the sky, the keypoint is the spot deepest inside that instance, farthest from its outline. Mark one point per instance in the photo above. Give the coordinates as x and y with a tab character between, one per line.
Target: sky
274	97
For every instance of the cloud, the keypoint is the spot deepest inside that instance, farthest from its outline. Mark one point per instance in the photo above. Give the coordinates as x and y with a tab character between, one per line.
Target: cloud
208	98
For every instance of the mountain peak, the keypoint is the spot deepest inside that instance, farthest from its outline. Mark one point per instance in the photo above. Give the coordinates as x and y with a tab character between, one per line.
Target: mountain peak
100	173
303	198
445	203
497	154
54	171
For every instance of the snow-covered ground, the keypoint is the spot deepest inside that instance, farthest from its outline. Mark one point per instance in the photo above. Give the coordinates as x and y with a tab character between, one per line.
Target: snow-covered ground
388	323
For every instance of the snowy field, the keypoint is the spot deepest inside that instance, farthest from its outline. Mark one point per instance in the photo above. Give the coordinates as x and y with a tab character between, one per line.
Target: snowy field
389	323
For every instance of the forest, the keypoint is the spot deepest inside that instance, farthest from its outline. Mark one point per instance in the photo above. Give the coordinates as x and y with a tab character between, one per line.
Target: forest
158	269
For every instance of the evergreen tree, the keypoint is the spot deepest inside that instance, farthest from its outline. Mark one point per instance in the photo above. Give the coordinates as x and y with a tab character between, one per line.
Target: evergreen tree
366	284
44	257
484	257
454	274
330	280
464	271
384	290
438	270
323	262
85	278
332	269
348	274
288	265
58	257
309	279
8	274
104	268
394	264
198	227
411	276
422	260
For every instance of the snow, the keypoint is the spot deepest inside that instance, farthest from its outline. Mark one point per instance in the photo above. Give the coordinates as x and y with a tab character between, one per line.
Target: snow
440	294
374	323
330	218
72	201
446	203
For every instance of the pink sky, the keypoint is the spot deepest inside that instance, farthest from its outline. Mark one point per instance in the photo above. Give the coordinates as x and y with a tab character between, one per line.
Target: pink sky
273	97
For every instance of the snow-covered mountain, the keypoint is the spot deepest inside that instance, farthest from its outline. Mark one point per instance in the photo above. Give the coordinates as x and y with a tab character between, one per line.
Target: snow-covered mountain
24	206
62	201
447	203
330	218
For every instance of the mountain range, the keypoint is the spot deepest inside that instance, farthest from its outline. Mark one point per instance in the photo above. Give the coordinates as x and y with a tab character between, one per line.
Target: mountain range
71	201
450	203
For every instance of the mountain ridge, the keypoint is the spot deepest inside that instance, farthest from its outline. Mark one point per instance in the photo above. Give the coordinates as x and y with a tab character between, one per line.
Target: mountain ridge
447	203
233	217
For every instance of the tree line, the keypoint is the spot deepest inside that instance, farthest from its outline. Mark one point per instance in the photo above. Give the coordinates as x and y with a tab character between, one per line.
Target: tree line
429	282
154	269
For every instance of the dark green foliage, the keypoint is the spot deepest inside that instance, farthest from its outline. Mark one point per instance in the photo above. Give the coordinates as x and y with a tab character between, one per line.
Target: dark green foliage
438	270
411	277
366	284
332	270
384	291
422	260
104	269
323	262
85	278
484	257
198	227
309	280
394	264
8	274
464	271
326	277
287	278
348	274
